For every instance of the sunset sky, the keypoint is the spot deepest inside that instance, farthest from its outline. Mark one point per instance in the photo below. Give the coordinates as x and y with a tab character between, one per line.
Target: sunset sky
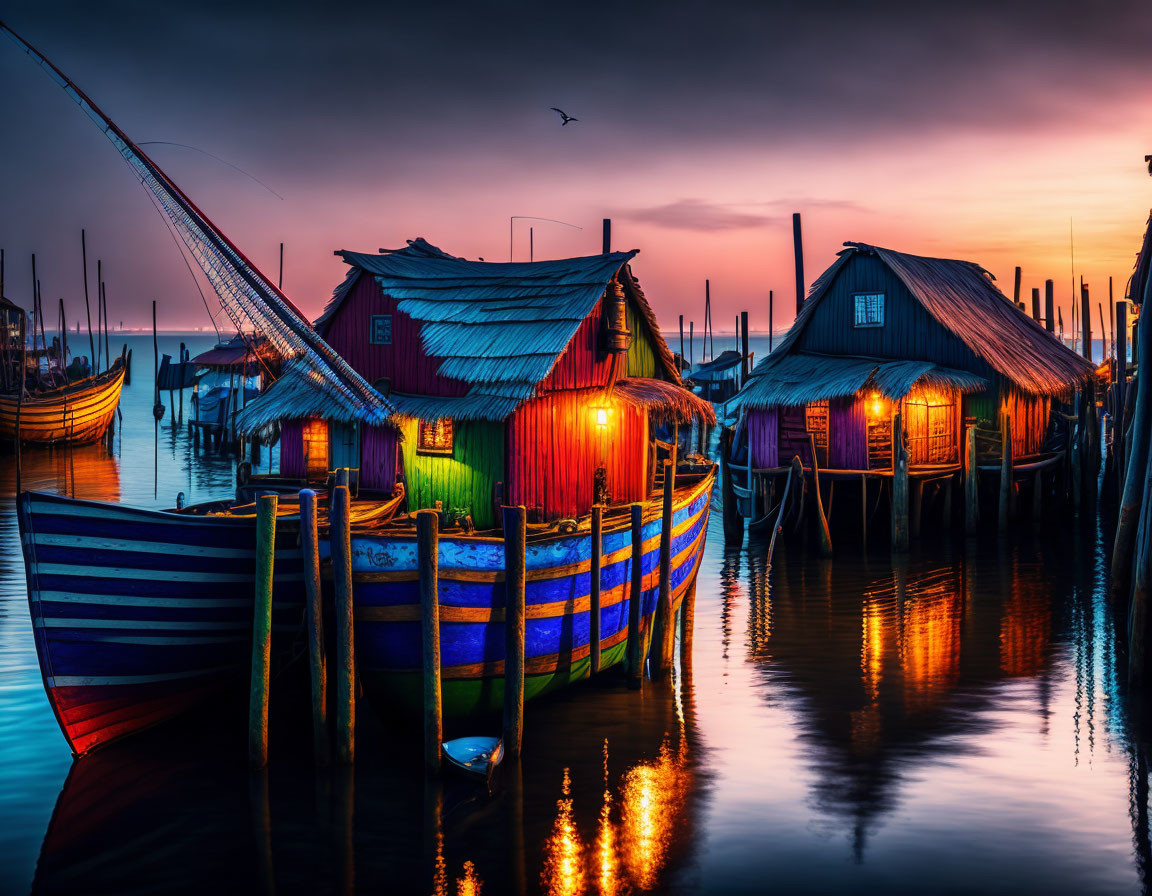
974	131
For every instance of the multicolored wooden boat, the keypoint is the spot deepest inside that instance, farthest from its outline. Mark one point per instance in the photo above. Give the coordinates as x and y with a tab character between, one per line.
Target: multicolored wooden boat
79	412
139	614
385	580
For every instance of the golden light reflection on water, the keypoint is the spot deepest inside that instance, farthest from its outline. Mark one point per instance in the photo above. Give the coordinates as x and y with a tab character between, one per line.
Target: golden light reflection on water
930	647
630	852
470	883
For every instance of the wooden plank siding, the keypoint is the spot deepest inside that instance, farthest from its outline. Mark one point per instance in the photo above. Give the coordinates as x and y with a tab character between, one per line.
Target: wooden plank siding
582	364
763	432
378	458
847	434
909	331
292	449
641	353
555	446
463	481
404	362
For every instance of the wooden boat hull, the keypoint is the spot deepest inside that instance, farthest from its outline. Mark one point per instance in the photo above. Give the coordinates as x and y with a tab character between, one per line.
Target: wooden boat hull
138	614
557	647
77	413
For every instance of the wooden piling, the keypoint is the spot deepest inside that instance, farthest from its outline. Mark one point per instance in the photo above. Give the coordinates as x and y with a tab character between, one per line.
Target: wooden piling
1016	288
340	529
261	632
428	563
665	623
635	598
798	252
515	535
314	595
1085	322
1049	307
900	535
733	521
341	478
745	364
824	534
1005	473
1036	304
594	574
864	510
687	623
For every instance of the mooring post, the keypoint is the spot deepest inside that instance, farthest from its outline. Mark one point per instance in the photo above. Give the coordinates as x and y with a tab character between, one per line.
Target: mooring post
665	623
864	510
340	528
515	536
317	662
635	598
594	575
687	622
1005	473
428	562
262	632
899	486
971	484
342	477
733	521
824	534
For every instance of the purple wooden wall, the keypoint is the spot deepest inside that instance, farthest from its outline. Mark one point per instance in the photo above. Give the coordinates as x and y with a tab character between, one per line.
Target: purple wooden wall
792	436
762	437
378	457
847	434
292	449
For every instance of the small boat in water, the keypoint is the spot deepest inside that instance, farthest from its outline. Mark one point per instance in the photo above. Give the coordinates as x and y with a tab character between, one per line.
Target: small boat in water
477	757
79	412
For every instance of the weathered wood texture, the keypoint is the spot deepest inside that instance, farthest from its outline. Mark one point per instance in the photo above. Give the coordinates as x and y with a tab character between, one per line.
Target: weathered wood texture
339	524
261	632
314	596
428	560
555	445
515	531
463	480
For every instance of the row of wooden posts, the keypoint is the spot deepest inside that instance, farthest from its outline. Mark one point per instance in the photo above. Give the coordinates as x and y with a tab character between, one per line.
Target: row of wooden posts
638	651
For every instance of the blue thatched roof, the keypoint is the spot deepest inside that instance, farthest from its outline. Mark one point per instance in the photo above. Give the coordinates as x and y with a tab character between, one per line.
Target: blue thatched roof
500	327
802	377
299	393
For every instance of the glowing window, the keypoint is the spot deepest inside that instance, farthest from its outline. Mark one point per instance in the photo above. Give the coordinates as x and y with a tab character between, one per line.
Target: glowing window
315	433
435	437
869	309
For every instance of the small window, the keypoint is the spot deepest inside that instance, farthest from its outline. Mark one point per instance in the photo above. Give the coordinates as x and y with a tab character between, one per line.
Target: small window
380	332
435	437
869	309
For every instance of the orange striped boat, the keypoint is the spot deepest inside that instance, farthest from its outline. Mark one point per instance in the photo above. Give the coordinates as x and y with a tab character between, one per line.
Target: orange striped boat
78	412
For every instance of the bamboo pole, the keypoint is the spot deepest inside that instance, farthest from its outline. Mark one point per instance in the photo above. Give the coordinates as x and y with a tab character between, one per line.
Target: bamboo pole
824	534
595	574
665	623
107	350
515	535
1085	322
262	632
340	530
428	562
771	320
798	253
899	486
317	661
635	597
1005	472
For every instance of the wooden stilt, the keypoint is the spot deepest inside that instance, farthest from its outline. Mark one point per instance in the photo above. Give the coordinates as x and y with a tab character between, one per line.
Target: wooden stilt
687	623
428	562
515	533
594	584
916	508
635	598
317	661
899	486
665	624
824	534
262	632
864	510
339	525
1005	473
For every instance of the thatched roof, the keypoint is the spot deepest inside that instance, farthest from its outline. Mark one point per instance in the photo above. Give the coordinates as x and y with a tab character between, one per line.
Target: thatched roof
804	377
500	327
962	297
299	393
719	368
665	401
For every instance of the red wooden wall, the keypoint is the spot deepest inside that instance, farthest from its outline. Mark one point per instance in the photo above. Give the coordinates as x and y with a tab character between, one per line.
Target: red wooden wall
555	446
404	361
583	364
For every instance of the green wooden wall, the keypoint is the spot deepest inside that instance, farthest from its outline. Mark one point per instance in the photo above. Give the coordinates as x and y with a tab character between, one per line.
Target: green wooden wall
641	355
464	480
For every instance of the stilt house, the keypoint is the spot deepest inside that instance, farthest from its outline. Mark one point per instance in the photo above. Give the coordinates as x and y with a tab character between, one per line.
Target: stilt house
883	332
539	383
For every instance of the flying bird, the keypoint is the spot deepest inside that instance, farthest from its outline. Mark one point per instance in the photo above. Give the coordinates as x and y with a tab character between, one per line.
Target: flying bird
567	118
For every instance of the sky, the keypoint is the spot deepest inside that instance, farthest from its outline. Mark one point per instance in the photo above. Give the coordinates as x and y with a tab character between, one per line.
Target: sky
998	132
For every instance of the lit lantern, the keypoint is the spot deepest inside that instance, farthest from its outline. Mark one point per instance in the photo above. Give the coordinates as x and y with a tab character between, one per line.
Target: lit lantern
876	405
601	417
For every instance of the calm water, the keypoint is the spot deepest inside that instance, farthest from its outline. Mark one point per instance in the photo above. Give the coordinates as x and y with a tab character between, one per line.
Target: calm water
954	723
